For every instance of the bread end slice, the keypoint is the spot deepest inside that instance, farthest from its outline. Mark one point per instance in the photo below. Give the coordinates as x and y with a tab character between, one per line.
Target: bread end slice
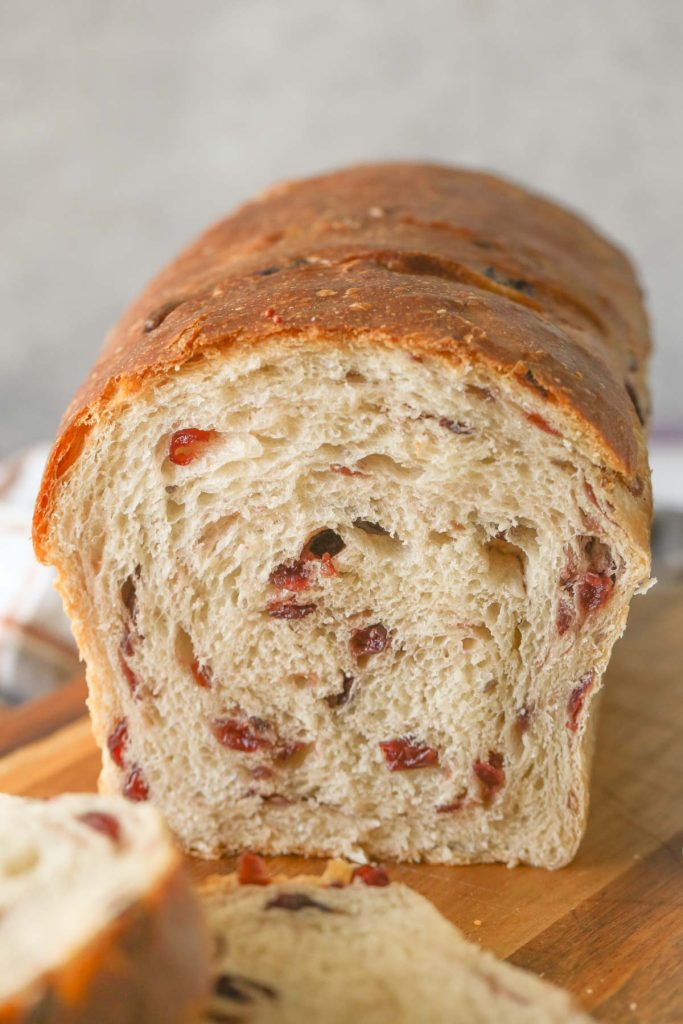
350	945
99	916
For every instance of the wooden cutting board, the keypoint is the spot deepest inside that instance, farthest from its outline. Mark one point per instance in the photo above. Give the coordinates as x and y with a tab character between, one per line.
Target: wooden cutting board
610	926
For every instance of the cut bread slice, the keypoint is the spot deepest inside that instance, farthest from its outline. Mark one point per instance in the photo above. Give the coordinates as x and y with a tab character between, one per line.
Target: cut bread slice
97	919
348	528
339	950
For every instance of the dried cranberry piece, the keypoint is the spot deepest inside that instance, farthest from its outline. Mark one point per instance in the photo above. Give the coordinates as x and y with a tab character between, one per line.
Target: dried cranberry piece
371	640
523	720
251	869
201	674
240	734
455	426
252	734
371	874
542	424
594	591
491	775
289	610
577	699
565	616
296	901
337	700
327	566
406	754
135	787
117	741
293	575
187	445
107	824
590	589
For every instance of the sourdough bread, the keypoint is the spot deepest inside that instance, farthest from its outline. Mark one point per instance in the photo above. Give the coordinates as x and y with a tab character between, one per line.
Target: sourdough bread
97	920
348	517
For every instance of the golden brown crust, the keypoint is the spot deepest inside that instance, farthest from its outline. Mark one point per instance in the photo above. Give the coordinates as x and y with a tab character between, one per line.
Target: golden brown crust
437	261
149	965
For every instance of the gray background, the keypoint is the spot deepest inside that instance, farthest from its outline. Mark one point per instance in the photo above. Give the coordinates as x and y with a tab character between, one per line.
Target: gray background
127	126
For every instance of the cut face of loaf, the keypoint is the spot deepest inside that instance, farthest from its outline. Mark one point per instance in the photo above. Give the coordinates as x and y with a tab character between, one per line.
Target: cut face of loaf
339	951
341	600
97	921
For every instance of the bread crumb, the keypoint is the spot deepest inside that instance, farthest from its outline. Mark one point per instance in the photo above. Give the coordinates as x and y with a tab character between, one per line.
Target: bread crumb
476	922
324	292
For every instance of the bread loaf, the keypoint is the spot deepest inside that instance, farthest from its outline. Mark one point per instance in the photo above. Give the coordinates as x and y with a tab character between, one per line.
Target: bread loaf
348	517
346	947
97	920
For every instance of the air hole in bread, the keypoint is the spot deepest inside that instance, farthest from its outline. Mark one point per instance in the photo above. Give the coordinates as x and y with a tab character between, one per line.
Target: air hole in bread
440	538
367	526
385	465
324	542
506	565
175	511
354	377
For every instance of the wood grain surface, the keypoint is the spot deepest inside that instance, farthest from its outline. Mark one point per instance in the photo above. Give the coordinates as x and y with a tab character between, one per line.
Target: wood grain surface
610	926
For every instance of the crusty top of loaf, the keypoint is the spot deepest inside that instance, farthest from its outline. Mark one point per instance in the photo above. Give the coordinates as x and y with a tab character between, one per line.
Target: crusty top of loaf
452	263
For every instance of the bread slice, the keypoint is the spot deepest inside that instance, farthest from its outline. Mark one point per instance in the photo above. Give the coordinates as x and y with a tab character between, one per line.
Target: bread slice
349	516
345	947
97	919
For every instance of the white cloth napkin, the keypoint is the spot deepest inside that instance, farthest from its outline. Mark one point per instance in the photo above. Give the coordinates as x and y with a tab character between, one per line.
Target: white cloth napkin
37	651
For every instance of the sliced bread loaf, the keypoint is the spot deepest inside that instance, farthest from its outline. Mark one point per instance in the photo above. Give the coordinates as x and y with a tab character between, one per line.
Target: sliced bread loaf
349	947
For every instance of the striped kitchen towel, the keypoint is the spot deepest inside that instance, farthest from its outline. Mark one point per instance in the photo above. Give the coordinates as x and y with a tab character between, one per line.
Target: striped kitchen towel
37	651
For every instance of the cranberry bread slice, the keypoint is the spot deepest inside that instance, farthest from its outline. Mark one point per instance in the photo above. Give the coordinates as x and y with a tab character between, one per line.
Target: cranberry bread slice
349	516
97	919
349	946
